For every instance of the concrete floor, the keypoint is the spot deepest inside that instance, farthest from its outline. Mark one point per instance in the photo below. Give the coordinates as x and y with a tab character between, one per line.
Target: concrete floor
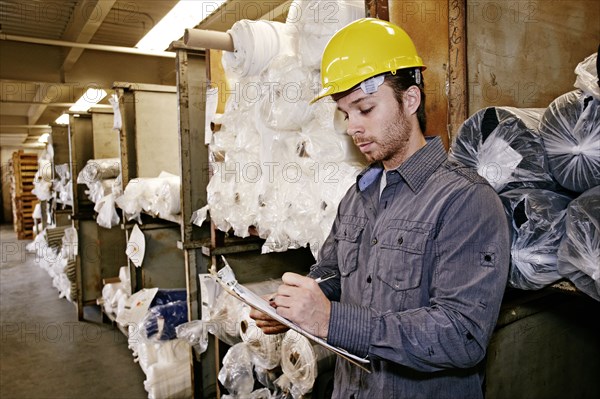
45	352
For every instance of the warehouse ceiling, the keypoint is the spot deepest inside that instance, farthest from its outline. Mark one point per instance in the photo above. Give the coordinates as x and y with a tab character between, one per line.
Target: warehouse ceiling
42	74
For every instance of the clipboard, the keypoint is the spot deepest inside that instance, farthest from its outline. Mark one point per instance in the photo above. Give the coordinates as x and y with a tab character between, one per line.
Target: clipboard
226	278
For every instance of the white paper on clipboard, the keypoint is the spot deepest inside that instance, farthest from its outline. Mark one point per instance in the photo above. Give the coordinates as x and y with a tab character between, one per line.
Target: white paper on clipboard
226	278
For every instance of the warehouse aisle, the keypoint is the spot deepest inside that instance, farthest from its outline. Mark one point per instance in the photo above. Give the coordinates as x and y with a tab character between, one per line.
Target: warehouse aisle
44	351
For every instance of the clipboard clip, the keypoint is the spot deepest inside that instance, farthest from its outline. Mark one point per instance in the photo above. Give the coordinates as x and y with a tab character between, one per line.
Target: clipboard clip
226	274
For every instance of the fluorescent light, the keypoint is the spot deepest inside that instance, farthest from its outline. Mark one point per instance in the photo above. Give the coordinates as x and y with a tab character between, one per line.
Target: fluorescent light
186	14
91	97
44	138
62	120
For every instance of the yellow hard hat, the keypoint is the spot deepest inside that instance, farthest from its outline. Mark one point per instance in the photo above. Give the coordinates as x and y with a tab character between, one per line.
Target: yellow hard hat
362	49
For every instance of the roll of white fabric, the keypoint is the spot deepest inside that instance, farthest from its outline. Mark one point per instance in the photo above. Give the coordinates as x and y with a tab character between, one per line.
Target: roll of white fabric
145	194
301	361
169	380
265	349
256	43
167	201
317	21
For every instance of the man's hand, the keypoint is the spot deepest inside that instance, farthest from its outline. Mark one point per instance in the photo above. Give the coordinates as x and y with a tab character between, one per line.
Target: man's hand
265	323
301	300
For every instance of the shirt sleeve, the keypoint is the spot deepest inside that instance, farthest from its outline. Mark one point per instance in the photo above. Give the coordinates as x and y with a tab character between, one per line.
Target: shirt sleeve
472	254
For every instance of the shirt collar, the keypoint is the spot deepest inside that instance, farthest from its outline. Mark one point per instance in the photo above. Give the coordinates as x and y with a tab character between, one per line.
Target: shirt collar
415	170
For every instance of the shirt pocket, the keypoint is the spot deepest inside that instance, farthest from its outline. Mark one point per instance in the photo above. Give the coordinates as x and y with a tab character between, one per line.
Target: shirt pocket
348	236
402	254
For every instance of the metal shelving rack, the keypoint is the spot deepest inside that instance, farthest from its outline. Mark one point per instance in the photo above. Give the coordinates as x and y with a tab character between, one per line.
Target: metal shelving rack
101	252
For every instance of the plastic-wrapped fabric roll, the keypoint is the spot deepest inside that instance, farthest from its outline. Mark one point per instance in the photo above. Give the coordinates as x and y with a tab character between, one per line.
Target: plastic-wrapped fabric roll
166	296
170	378
125	275
579	251
265	349
160	321
537	220
570	130
107	213
317	21
587	76
504	145
256	43
168	200
302	360
99	169
108	292
236	372
150	352
142	194
286	105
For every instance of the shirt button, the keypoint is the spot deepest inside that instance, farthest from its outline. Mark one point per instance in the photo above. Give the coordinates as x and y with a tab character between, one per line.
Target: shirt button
400	241
369	279
374	241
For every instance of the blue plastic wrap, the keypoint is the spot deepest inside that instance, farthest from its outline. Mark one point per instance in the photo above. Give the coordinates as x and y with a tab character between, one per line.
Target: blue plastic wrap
537	222
164	296
579	251
504	145
161	321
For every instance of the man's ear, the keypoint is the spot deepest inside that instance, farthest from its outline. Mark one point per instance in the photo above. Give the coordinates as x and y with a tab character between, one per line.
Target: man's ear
411	100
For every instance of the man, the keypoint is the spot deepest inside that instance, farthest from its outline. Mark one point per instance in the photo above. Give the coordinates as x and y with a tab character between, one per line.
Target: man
420	245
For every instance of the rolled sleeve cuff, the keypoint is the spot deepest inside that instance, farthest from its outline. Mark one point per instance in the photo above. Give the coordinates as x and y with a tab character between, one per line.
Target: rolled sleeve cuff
350	328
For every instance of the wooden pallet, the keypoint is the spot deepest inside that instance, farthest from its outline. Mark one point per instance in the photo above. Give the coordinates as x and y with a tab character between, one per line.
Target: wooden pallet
23	169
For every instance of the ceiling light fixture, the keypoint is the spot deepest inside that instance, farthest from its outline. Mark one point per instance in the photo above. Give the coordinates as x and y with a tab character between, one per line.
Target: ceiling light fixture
91	97
186	14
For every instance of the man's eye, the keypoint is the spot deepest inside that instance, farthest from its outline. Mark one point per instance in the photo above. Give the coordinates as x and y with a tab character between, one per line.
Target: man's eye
366	111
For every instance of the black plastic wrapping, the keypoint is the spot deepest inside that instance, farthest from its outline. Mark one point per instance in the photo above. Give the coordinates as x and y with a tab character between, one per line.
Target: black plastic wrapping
504	145
579	251
570	130
537	222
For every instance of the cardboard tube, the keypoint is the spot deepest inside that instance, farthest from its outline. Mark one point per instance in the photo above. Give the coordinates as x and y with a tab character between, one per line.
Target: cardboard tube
211	39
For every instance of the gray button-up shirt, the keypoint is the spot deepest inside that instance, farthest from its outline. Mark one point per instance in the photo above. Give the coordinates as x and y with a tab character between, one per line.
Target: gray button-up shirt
421	277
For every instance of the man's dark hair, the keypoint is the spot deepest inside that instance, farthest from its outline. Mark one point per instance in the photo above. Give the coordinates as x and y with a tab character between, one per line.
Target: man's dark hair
402	80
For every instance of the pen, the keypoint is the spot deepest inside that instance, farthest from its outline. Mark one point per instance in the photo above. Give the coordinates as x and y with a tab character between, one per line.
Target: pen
325	277
318	280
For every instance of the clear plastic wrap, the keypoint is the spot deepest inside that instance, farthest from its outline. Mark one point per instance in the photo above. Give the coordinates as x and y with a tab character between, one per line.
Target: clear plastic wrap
579	251
275	159
504	145
587	76
236	372
42	181
99	169
537	224
167	368
107	213
160	321
158	196
301	361
63	185
570	130
265	349
195	334
317	21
